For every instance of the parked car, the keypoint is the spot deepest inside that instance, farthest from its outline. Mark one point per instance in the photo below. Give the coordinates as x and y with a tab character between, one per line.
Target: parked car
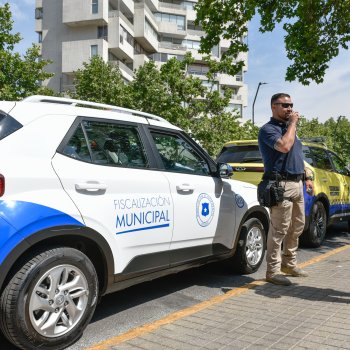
95	198
331	199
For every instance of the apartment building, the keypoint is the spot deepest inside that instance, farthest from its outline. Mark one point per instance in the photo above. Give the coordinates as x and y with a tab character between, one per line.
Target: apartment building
126	33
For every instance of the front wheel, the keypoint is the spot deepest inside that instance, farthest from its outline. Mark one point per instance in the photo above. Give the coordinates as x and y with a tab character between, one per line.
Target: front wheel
314	235
50	300
251	247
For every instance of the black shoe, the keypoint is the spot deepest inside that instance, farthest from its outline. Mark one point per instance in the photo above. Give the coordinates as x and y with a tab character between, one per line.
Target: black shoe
279	279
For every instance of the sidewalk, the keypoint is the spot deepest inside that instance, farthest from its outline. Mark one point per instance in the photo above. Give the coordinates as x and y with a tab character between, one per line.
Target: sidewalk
313	313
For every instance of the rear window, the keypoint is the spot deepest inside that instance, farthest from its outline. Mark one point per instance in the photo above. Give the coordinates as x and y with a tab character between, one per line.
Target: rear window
8	125
240	154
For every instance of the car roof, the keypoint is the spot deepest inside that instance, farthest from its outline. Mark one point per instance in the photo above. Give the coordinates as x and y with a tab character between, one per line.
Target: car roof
314	142
241	142
33	107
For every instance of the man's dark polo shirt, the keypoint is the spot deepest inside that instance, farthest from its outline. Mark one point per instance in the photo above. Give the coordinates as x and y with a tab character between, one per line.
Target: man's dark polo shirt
275	161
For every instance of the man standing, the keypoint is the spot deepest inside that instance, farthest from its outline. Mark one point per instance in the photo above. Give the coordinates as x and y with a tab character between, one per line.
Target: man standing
283	160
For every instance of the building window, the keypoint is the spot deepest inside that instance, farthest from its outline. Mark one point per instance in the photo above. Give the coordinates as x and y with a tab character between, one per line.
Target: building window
234	108
93	50
40	37
191	44
138	49
197	69
210	85
94	6
215	51
149	30
102	32
164	57
39	13
239	76
188	5
192	26
166	17
125	35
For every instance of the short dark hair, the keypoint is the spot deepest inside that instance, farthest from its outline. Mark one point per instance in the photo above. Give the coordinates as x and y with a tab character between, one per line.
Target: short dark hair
275	97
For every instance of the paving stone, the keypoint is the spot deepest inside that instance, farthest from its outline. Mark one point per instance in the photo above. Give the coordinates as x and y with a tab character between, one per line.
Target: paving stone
313	313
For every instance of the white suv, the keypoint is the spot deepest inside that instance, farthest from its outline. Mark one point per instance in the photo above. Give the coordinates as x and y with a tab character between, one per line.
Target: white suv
95	198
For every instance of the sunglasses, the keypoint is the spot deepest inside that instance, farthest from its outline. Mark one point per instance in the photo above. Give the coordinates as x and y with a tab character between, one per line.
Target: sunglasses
284	105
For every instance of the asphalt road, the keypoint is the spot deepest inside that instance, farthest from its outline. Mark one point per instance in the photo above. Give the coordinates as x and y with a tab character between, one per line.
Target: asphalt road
150	301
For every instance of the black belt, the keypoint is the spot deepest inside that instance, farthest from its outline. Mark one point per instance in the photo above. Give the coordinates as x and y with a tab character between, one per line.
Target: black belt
284	177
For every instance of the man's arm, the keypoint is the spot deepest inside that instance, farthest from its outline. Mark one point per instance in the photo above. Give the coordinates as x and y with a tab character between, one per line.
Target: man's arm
285	143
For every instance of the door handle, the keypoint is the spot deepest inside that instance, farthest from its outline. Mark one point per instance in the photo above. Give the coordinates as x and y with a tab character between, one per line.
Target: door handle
324	179
185	188
90	186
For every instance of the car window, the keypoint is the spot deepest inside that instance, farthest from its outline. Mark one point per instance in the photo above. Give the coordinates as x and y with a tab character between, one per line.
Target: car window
339	165
321	159
108	144
240	154
178	155
307	155
8	125
77	147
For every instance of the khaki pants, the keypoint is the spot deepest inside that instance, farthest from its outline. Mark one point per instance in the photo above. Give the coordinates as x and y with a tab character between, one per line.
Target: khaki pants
287	224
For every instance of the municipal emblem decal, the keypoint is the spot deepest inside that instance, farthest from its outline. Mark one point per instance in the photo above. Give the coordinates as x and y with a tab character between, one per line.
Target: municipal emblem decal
239	201
205	209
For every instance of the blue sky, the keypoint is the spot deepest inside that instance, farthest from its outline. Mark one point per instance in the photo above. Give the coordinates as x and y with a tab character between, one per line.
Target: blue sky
267	62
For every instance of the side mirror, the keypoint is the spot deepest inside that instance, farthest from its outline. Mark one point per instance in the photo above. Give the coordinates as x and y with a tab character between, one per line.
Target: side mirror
224	170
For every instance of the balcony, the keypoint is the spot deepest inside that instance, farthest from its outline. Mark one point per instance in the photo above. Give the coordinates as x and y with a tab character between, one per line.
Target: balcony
78	13
117	14
145	28
196	33
38	25
129	4
171	46
226	79
172	8
171	29
140	60
74	53
125	71
118	44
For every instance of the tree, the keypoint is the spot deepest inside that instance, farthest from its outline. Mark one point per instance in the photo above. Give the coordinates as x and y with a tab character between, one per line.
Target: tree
101	82
170	93
183	100
315	31
335	133
19	76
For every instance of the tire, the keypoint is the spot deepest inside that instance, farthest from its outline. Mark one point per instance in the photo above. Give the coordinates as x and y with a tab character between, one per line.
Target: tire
314	235
50	300
251	247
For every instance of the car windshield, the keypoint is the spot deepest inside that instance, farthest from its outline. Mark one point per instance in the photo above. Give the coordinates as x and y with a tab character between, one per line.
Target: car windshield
240	154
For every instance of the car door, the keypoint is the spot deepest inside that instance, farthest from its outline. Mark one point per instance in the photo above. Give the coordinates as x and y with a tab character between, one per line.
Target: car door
326	180
106	170
204	210
343	176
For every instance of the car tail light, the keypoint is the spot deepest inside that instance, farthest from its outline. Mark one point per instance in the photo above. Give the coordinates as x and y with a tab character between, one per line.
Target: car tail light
2	185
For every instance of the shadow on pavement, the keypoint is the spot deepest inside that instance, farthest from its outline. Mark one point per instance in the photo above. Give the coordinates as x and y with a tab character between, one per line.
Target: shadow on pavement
304	292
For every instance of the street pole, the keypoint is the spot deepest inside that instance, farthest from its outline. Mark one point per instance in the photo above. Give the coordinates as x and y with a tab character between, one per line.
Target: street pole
256	94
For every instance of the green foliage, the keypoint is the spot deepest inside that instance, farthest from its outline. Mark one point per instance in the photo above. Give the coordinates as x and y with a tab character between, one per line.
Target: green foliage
168	92
99	81
336	134
19	76
315	31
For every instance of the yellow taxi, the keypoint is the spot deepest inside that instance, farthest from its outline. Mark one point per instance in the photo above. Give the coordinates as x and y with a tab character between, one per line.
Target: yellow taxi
330	201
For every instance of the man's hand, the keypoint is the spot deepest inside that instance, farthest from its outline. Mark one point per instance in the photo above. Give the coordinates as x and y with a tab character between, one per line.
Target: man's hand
309	187
293	117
